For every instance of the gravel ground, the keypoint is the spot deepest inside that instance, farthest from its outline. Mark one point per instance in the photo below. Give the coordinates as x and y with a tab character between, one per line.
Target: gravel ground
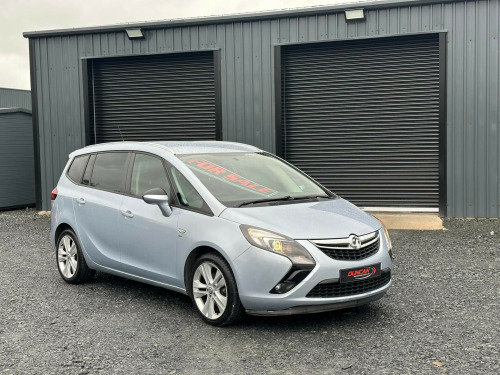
440	316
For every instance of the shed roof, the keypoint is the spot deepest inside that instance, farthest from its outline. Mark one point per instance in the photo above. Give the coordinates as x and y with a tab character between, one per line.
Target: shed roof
14	110
255	16
15	90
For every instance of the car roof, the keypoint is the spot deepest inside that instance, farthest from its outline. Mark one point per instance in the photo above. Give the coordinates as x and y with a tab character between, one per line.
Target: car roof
174	147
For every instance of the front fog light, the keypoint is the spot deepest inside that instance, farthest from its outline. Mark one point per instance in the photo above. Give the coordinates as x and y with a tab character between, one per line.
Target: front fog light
277	243
292	279
283	288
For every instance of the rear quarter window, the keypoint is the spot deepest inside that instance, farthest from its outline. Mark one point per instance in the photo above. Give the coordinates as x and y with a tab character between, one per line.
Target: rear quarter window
88	170
75	171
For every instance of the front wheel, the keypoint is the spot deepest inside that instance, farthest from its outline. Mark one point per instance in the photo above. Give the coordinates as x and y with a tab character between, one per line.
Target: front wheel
214	291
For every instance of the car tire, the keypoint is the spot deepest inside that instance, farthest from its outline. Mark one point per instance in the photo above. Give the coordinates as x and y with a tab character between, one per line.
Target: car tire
70	260
214	291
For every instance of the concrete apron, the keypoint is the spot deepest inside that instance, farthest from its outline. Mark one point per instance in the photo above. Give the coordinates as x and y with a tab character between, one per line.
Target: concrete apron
410	220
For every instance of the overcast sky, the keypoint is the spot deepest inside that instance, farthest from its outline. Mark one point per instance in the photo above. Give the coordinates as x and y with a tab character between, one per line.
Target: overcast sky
17	16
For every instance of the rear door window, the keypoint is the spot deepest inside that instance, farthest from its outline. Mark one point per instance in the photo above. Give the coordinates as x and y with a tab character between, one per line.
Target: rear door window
77	167
109	170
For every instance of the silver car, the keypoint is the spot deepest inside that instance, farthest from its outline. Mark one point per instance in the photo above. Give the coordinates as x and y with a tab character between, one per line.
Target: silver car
235	228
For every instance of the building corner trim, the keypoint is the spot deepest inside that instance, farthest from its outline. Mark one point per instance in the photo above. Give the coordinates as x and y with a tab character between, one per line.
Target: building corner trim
36	131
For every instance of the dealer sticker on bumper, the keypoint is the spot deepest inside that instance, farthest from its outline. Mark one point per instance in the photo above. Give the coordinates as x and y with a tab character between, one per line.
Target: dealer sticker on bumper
360	273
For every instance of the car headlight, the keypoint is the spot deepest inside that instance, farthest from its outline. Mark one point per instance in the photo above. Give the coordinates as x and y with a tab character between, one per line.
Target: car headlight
387	238
277	243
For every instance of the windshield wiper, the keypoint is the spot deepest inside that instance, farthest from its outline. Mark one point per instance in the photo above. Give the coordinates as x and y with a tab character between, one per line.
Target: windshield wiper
286	198
312	197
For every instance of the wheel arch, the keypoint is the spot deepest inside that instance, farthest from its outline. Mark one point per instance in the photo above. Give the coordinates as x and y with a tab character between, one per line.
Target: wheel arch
191	259
61	228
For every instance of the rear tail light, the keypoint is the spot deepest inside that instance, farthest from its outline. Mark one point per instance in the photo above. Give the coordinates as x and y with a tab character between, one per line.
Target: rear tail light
53	194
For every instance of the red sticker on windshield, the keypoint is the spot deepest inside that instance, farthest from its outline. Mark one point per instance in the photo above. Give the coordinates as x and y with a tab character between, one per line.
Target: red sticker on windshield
228	176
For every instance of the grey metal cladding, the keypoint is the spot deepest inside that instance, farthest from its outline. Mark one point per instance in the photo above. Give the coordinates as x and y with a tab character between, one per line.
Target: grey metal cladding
14	98
145	98
362	118
17	179
247	83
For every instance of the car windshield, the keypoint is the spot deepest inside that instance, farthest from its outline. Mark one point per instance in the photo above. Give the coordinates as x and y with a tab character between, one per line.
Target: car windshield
238	179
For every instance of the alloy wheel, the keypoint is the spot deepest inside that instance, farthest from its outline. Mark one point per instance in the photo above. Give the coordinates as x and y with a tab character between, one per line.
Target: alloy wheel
67	256
209	290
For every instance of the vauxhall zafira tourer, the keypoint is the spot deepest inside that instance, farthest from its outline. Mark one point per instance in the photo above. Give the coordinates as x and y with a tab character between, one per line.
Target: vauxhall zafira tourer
235	228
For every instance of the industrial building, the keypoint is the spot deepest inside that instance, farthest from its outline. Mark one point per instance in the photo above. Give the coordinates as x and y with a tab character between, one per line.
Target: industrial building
392	105
15	98
17	158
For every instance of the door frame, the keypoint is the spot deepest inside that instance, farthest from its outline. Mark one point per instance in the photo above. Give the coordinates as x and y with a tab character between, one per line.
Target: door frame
442	138
86	64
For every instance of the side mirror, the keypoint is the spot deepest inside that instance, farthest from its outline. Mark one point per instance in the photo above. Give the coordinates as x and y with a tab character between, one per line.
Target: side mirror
159	197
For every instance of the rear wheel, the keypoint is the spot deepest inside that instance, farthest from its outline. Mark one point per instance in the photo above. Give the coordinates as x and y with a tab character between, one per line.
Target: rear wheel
70	261
214	291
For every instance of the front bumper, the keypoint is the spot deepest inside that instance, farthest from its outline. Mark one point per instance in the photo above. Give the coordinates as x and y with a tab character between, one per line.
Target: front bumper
311	309
258	271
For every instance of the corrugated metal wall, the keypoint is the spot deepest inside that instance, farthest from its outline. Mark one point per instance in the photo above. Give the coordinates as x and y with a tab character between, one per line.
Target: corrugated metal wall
17	166
13	98
473	155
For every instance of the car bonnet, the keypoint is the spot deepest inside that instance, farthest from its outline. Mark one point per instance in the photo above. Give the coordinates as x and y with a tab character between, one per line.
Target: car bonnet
335	218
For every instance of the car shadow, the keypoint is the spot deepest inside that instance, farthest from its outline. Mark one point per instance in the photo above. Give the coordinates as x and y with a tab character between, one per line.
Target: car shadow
156	298
354	316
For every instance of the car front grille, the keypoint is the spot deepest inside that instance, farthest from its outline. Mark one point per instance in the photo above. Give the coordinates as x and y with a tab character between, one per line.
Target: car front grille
340	248
337	289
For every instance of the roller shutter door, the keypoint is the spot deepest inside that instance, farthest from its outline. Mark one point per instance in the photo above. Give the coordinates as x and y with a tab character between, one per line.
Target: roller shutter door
362	117
156	97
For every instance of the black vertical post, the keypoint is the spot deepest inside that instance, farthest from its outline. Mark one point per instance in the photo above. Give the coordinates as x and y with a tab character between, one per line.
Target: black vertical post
218	95
86	105
278	126
443	200
36	131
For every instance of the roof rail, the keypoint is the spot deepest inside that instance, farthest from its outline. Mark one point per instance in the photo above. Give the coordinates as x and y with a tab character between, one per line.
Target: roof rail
137	142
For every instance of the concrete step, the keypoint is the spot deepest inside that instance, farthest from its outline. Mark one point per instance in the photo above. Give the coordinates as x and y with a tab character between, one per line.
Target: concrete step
410	221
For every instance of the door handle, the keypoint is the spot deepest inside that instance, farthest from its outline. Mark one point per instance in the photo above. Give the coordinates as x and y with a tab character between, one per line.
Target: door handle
80	201
127	214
